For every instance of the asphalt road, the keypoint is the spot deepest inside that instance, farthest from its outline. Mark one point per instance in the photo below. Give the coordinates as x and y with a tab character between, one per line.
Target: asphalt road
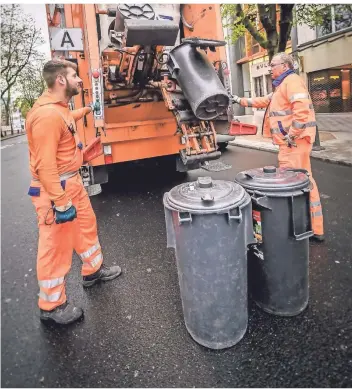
133	333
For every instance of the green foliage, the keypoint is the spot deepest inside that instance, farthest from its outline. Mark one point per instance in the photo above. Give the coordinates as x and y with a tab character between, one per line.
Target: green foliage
31	84
274	36
20	39
235	15
23	105
311	14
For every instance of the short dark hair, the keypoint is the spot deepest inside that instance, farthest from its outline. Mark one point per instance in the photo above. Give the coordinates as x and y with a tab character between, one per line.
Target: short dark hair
55	67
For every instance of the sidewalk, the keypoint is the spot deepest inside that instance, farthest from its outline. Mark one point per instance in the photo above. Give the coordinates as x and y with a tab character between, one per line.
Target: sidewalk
337	146
335	132
12	136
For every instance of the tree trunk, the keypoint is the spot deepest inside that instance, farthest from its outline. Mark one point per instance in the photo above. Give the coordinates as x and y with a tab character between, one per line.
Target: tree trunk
8	110
272	44
267	16
286	16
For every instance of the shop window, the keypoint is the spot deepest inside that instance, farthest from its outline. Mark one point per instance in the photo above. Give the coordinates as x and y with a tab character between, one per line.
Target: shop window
255	47
258	86
330	90
336	18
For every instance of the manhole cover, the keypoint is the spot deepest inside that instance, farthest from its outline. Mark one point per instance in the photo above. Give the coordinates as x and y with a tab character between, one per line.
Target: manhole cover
215	166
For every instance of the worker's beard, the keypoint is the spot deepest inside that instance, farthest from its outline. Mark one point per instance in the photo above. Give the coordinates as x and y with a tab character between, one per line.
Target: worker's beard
71	90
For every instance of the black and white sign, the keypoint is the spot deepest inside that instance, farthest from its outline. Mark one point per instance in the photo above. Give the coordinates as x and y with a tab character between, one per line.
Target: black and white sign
97	94
66	39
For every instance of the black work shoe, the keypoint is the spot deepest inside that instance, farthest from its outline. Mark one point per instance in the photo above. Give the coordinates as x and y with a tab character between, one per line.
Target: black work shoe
317	238
103	274
63	314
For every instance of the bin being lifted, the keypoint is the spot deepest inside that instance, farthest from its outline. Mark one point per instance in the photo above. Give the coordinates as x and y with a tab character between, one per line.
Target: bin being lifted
150	101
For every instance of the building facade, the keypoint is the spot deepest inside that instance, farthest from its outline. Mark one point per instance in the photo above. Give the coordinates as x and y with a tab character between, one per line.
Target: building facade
325	54
323	57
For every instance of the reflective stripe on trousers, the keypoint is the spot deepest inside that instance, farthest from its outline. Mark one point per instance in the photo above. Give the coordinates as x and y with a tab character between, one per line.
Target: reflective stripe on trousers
57	242
90	251
299	158
89	262
51	283
51	298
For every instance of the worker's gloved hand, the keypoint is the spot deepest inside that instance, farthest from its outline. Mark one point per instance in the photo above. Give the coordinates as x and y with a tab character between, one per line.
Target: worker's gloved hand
94	107
236	99
290	141
91	106
65	214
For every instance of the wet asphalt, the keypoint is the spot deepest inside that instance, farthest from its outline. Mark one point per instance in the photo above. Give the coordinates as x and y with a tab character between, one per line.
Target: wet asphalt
133	334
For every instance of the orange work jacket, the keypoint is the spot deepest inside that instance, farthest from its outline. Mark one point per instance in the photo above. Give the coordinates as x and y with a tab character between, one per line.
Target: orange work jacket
53	149
289	107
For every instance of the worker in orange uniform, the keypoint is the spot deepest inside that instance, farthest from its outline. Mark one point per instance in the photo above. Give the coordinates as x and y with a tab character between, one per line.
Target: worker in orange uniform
290	121
65	216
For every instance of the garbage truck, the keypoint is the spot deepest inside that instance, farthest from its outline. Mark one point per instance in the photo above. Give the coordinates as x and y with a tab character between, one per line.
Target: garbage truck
156	75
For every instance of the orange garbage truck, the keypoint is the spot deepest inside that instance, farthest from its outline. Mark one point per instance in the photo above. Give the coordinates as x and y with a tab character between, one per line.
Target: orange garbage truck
156	75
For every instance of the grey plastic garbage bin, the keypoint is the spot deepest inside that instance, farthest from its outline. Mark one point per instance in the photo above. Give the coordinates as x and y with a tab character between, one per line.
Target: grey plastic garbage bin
209	225
278	271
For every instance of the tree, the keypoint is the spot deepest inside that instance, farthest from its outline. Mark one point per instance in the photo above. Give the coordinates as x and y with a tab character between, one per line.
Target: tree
30	85
276	20
20	39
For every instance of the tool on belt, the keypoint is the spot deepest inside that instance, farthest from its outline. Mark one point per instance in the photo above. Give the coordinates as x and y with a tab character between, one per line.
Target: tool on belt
289	141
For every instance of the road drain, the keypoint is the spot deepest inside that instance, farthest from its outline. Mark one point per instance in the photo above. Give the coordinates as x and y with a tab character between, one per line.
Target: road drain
215	166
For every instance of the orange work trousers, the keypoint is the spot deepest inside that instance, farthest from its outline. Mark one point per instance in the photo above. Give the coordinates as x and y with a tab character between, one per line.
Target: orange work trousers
57	241
299	158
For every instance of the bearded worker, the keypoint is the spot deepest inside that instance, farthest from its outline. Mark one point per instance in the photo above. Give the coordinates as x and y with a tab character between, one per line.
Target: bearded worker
65	216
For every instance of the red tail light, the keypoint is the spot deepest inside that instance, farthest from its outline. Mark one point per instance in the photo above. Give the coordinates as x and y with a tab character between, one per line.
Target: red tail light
238	128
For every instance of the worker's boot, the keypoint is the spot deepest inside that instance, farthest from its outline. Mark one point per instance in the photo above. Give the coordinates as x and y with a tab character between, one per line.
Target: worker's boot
63	314
103	274
317	238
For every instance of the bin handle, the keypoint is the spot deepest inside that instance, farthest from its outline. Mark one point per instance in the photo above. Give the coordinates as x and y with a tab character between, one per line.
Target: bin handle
262	200
299	171
238	217
187	217
176	67
306	234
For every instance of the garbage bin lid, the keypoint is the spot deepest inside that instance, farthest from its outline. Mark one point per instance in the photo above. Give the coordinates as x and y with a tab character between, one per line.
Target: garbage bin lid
206	196
273	179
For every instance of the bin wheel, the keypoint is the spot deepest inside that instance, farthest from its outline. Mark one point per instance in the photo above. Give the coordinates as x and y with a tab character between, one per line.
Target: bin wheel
223	146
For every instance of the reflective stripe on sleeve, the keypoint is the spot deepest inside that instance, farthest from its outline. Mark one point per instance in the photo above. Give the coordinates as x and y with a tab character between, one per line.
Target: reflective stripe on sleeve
249	102
302	126
298	96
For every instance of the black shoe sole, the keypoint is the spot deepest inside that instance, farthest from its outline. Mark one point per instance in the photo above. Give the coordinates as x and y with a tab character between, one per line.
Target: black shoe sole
63	323
317	240
88	284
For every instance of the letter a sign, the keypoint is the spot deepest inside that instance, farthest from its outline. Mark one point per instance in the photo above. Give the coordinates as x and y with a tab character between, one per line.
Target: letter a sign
66	39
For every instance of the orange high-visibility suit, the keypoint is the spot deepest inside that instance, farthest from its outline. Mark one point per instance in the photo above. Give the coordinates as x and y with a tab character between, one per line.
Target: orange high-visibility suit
55	156
290	110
